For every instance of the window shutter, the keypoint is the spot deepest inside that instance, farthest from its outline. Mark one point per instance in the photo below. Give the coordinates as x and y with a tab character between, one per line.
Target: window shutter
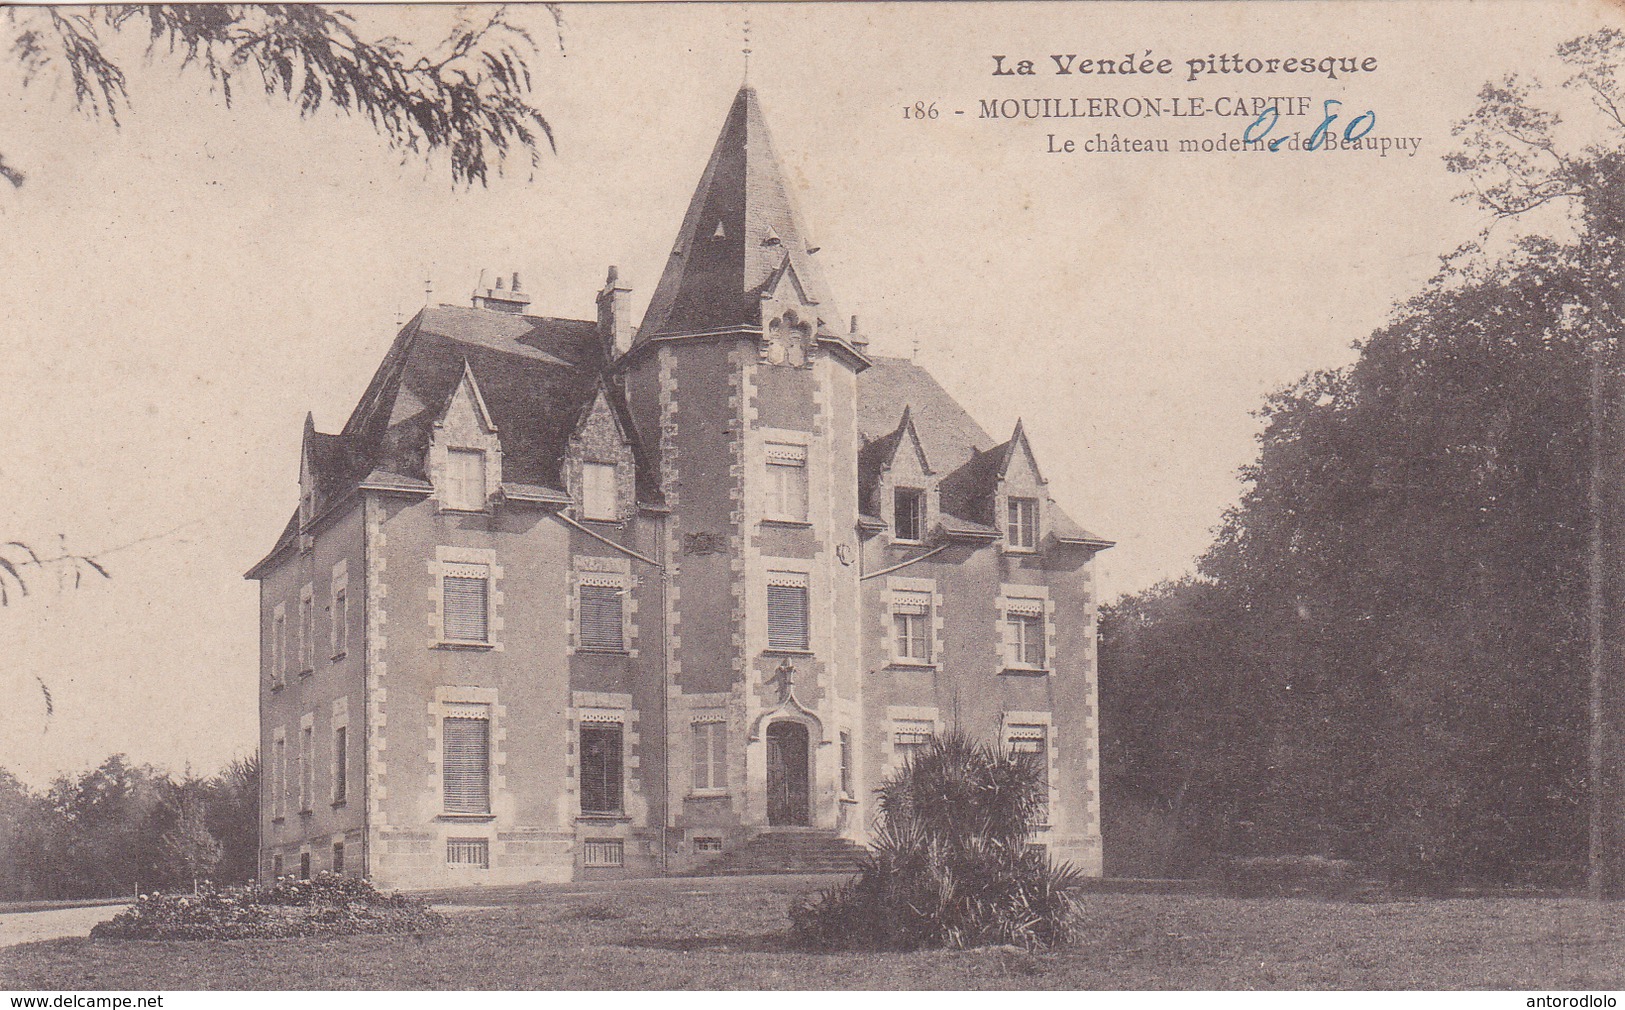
600	617
787	615
719	754
465	479
702	755
601	767
341	765
598	491
464	603
467	763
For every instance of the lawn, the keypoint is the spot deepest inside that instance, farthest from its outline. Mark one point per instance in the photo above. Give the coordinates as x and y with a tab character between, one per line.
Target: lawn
731	933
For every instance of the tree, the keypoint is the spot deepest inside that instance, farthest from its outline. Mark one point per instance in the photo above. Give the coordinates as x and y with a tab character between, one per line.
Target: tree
234	817
1409	619
467	97
190	849
1520	157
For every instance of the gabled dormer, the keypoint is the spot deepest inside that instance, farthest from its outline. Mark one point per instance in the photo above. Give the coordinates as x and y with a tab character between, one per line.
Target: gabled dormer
465	454
600	466
323	469
900	487
1021	495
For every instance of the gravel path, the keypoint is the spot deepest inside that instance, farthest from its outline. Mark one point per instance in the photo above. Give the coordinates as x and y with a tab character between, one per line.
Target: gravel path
26	927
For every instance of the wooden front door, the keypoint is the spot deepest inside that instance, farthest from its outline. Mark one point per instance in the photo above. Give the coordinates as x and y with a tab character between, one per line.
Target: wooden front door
787	774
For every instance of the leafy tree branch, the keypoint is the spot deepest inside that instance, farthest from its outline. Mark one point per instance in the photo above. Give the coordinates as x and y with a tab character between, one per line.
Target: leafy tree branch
468	97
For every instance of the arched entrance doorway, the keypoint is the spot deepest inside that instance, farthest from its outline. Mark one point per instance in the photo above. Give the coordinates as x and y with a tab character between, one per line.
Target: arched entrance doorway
787	791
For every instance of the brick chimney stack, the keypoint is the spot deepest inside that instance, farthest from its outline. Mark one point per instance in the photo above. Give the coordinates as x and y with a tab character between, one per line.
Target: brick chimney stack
500	299
615	315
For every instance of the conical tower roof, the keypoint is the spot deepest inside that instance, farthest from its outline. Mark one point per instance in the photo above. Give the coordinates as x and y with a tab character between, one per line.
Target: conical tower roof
741	234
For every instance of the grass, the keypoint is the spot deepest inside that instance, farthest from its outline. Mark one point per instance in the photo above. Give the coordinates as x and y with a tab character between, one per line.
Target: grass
732	933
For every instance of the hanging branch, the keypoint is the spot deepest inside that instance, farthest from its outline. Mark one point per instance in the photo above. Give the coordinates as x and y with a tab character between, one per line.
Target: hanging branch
468	97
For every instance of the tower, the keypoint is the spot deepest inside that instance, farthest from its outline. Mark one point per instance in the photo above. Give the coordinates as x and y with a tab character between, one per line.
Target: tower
741	370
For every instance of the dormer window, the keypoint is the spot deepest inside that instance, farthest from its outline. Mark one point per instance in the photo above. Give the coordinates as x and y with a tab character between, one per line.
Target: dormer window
598	492
465	480
908	514
1021	524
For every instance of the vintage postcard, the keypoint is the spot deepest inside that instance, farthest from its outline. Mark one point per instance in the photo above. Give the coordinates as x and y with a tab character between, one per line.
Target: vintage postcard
1109	496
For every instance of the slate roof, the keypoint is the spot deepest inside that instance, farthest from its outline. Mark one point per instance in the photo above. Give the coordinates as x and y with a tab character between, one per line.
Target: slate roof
953	442
741	231
538	376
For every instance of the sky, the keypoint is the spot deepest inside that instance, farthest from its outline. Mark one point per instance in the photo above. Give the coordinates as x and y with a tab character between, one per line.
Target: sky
182	289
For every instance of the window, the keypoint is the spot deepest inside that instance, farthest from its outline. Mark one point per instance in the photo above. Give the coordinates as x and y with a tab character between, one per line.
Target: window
470	852
710	755
338	857
846	763
1031	741
1021	527
304	866
787	482
603	852
466	760
463	610
600	613
598	497
1024	634
787	611
465	480
276	865
908	513
279	775
307	631
911	622
279	647
341	766
601	768
706	846
307	766
340	628
910	736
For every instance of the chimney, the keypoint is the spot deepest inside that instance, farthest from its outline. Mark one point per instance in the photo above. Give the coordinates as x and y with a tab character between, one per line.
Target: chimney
498	299
615	316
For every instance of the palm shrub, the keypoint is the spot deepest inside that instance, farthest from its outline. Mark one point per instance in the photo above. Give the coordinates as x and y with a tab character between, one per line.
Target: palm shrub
949	862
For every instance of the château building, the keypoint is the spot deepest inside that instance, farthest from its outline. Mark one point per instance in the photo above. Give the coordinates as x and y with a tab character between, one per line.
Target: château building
569	597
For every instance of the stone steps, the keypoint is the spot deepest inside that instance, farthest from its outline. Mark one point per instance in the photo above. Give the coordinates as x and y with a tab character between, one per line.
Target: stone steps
787	852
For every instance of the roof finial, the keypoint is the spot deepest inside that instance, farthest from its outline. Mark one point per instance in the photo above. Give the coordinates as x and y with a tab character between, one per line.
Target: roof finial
746	50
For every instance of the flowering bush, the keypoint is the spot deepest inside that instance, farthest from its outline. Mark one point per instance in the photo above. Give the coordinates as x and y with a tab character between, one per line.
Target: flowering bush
328	905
